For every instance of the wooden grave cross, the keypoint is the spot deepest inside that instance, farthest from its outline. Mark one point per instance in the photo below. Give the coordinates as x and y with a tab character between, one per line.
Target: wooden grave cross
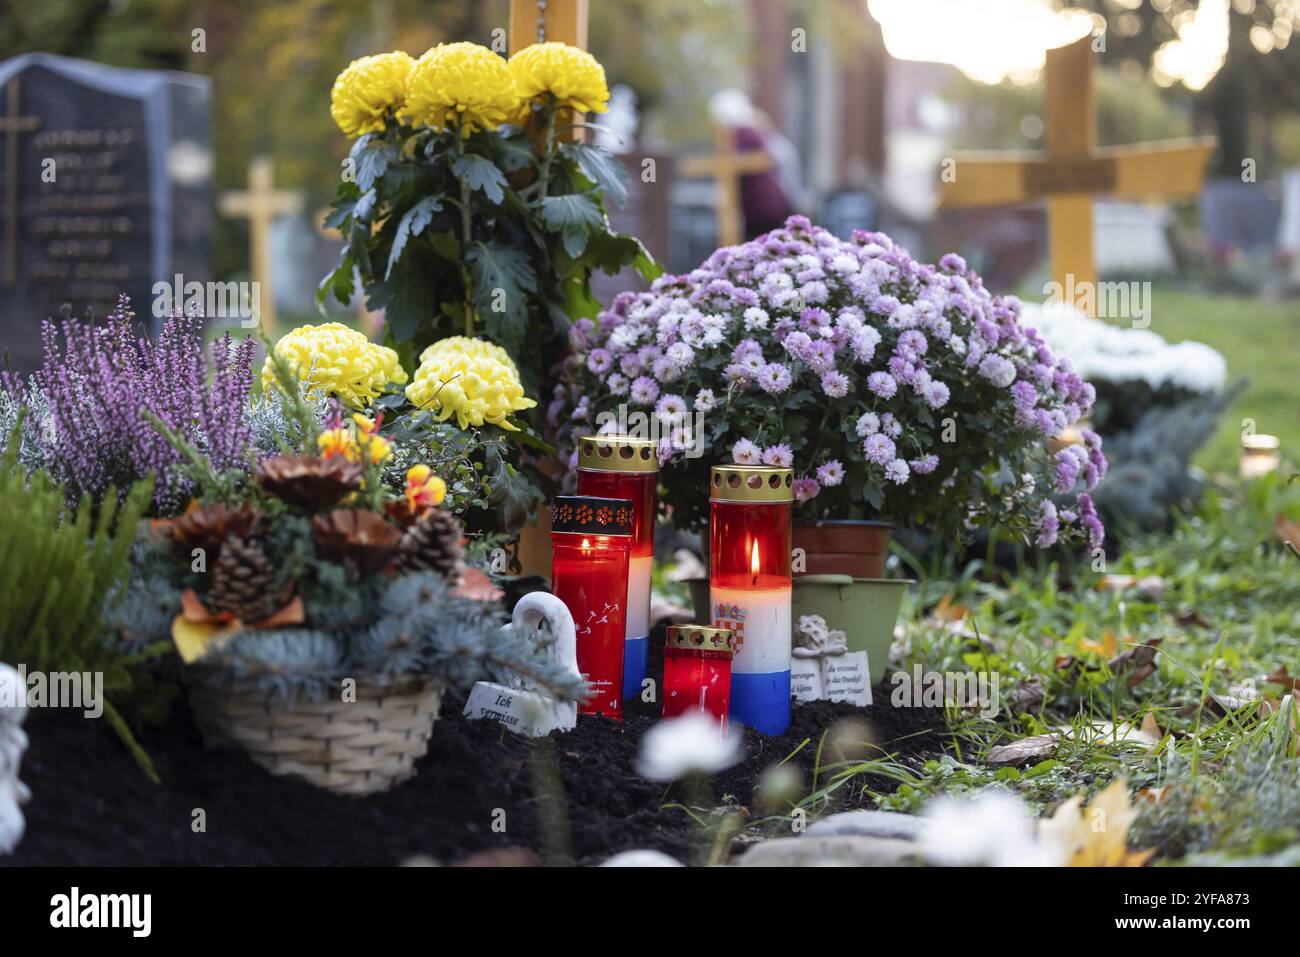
12	125
261	204
727	166
1075	169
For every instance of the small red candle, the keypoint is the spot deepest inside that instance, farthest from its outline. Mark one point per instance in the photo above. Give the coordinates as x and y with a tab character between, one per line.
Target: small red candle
697	671
750	587
591	539
622	466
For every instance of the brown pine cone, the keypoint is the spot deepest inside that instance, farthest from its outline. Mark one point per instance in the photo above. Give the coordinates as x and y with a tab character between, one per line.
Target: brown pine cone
314	484
243	582
365	538
208	527
433	543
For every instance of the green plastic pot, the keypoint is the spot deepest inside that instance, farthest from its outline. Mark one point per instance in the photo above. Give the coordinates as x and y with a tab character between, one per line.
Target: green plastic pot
865	609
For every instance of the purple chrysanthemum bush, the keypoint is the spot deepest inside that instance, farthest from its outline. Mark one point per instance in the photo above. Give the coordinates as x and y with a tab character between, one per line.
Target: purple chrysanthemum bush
895	389
88	403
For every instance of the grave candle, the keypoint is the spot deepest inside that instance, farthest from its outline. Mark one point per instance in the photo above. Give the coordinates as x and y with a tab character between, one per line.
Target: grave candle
591	538
697	671
750	587
620	466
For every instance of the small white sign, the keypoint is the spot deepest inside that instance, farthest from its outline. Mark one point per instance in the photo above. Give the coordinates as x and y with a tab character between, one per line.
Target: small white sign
523	712
846	677
806	679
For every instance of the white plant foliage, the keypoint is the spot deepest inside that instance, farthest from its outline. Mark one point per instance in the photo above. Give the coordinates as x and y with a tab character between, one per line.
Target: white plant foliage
1101	352
690	744
13	743
992	829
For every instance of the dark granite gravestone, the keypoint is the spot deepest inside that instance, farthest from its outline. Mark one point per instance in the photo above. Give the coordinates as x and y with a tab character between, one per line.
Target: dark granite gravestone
104	189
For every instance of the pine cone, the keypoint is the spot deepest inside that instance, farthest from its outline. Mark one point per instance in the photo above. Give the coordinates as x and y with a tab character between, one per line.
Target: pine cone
208	527
243	582
433	543
365	538
311	483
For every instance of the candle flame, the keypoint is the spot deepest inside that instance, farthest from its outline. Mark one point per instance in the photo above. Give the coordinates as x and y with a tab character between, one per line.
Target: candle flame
753	560
586	544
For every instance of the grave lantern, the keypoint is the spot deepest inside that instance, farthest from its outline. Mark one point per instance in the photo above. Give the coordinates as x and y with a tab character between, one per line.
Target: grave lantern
697	671
750	587
620	466
591	538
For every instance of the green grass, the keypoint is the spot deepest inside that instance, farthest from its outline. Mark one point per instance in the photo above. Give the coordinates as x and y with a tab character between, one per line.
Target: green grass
1261	341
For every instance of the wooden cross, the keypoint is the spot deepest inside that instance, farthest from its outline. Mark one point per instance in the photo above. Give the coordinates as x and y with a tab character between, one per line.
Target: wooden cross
13	125
1075	170
727	167
261	204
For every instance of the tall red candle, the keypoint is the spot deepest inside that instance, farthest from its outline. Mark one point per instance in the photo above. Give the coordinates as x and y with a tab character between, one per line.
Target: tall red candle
591	540
697	671
750	587
622	466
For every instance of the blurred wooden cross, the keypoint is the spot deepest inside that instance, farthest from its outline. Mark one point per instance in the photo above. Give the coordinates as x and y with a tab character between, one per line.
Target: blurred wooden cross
13	125
727	167
261	204
1075	170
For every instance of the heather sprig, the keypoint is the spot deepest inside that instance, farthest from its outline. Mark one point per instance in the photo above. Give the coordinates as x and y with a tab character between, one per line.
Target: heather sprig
895	389
101	383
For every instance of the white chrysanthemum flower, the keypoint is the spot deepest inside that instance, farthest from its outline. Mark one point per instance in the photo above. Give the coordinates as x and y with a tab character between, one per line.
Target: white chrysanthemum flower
691	744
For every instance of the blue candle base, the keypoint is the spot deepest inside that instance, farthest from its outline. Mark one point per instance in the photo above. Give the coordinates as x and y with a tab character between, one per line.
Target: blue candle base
636	657
761	701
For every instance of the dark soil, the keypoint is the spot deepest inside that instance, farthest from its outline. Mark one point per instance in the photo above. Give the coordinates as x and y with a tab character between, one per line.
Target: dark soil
92	805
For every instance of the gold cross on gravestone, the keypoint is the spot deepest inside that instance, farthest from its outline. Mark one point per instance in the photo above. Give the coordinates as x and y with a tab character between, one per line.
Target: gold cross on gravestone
727	167
13	125
1075	170
261	204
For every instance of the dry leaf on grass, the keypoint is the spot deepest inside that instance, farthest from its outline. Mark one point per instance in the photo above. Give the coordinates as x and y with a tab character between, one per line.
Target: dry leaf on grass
1030	696
1288	534
1284	678
947	610
1096	836
1138	663
1038	748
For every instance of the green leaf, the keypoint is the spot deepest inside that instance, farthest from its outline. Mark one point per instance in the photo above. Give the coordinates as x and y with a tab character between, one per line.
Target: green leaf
612	251
502	278
559	213
412	223
340	283
480	173
601	167
370	159
575	240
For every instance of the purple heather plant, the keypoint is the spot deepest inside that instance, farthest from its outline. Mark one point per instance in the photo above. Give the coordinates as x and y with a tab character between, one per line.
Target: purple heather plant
98	381
897	389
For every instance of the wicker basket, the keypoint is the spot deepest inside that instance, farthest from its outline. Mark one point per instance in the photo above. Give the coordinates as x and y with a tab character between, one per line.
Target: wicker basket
360	747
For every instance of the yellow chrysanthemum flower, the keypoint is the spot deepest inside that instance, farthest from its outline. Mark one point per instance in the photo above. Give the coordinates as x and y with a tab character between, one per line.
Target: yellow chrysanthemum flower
573	76
335	359
368	90
471	379
462	80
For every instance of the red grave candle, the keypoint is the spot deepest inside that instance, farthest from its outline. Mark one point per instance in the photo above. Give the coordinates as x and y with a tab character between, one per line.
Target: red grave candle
591	540
697	671
750	587
621	466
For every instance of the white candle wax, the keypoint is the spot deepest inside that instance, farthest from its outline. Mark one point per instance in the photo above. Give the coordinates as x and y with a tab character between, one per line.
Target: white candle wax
760	619
639	571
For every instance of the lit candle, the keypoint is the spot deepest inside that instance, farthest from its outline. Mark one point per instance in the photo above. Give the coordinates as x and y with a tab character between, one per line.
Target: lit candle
620	466
697	671
750	587
591	538
1259	455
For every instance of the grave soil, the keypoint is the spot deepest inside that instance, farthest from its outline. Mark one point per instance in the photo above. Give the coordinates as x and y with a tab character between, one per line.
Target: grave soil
92	805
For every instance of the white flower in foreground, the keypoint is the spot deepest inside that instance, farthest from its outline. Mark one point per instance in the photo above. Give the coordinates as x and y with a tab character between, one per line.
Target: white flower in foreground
645	858
993	829
690	744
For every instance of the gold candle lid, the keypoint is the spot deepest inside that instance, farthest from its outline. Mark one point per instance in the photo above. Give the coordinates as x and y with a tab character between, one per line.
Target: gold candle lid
617	453
701	638
751	483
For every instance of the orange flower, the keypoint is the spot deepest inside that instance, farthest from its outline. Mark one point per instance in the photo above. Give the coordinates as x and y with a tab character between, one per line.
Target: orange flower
338	441
424	490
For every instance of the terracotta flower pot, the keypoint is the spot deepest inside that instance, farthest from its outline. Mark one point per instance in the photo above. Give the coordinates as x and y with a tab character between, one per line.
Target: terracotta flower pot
843	547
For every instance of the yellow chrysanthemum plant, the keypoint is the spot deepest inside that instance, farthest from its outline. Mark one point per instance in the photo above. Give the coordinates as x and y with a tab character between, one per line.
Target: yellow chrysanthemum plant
468	208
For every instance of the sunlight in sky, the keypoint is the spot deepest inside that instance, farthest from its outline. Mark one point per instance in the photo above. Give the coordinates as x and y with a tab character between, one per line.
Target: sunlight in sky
988	40
995	40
